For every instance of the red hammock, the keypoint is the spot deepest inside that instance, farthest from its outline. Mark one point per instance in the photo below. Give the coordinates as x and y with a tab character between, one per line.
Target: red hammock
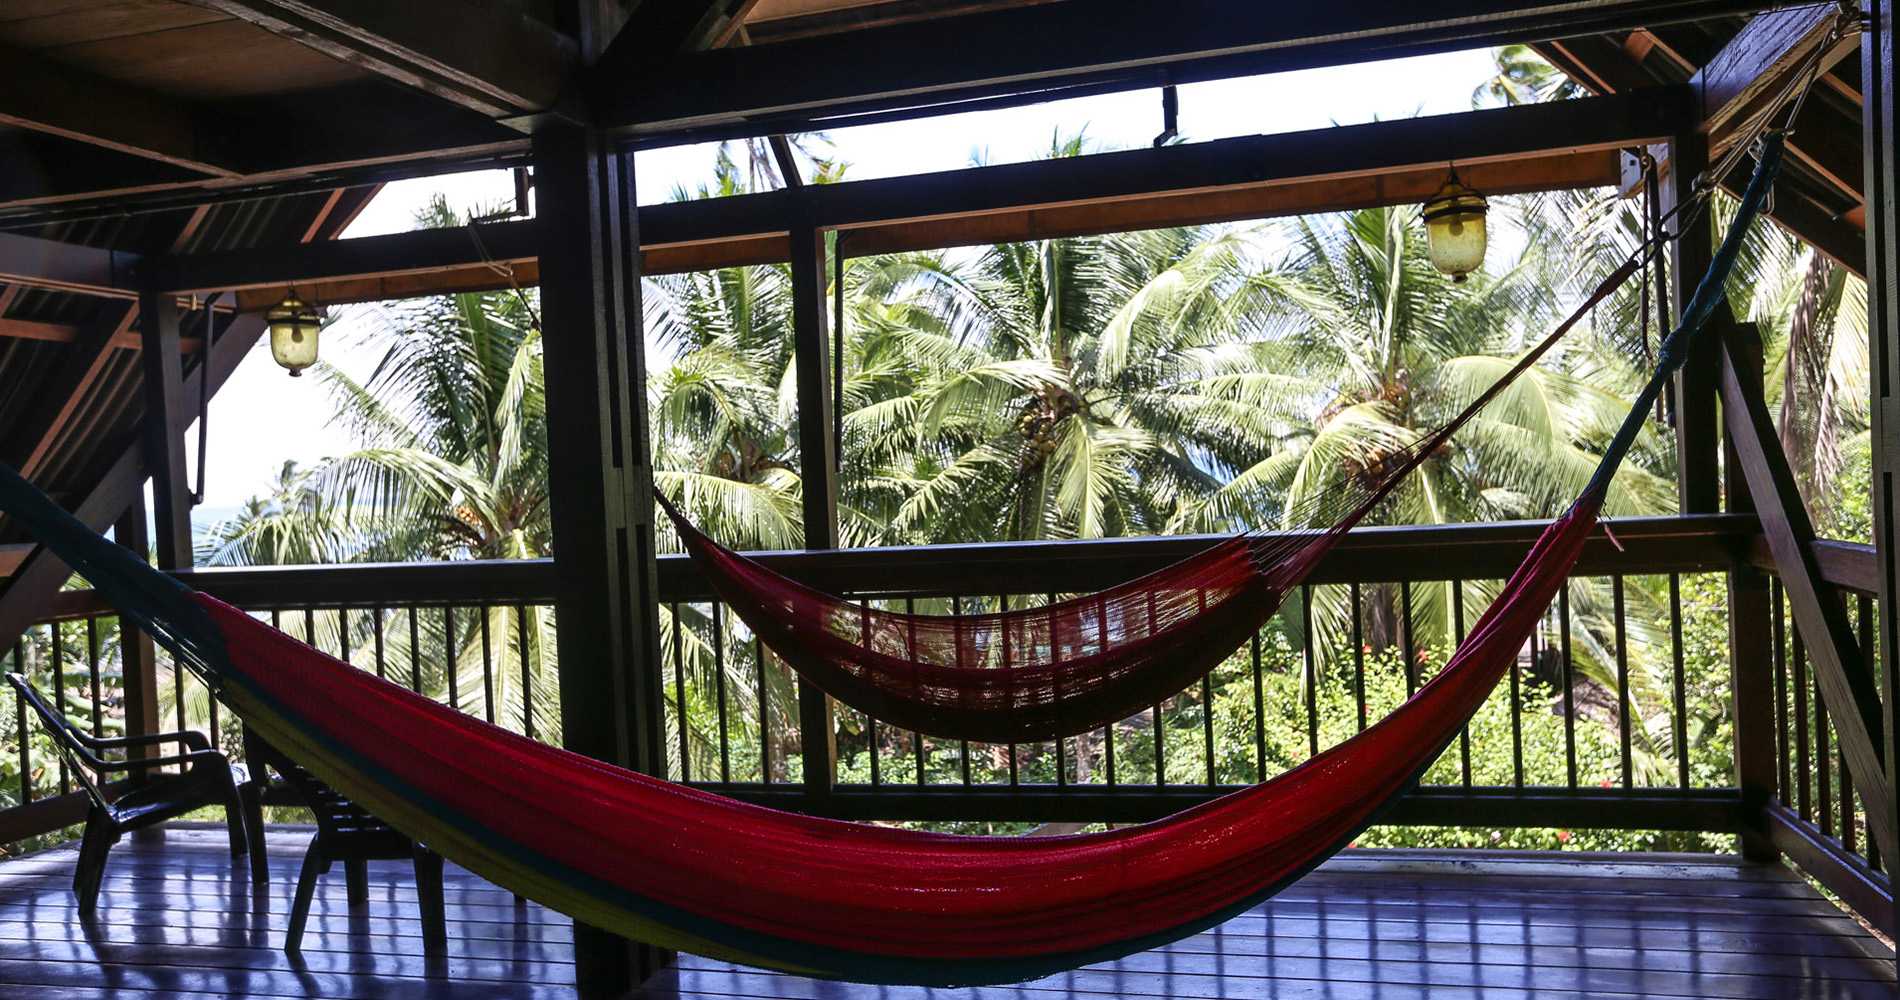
1064	668
691	870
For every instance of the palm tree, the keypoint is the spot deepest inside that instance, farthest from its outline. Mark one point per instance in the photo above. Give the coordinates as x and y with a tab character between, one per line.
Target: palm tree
1081	387
452	464
1525	78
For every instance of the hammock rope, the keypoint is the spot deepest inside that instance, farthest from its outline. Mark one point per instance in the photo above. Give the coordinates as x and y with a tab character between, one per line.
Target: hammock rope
1073	666
694	871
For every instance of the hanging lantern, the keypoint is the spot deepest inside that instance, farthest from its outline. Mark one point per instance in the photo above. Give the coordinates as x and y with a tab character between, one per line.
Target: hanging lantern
1454	228
293	333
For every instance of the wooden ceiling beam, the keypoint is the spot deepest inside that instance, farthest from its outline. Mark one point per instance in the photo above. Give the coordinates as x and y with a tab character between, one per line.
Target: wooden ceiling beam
658	30
927	67
1749	76
65	267
486	56
1548	173
47	96
1538	147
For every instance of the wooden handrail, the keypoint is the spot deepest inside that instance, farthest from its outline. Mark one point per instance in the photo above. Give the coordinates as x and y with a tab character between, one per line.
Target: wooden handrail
1698	543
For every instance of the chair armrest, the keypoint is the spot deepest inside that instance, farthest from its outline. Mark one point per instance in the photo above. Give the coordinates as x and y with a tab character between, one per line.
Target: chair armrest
191	738
195	757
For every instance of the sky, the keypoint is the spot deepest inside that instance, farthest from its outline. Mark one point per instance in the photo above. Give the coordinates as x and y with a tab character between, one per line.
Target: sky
262	417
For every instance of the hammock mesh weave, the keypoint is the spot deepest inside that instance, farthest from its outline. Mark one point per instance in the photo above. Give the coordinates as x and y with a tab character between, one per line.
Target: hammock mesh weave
1071	666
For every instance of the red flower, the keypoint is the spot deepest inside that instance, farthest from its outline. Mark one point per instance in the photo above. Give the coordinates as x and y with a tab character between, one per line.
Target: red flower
1563	836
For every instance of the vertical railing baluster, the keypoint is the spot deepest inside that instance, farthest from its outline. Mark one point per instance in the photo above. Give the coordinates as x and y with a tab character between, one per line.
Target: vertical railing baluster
343	634
1779	628
1259	713
956	609
719	690
92	672
488	665
870	724
1002	608
59	693
19	712
1680	722
1823	761
1517	714
1108	731
1312	671
450	667
1458	633
1846	802
1358	660
1207	724
377	614
1055	658
1623	683
765	712
1797	657
525	656
910	642
415	650
679	694
1405	638
1570	687
1870	659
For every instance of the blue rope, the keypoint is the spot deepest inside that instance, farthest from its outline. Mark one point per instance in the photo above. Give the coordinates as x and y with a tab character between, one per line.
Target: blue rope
1712	290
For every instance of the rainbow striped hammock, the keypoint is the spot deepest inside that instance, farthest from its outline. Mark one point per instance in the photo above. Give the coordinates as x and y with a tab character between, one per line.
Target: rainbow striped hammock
690	870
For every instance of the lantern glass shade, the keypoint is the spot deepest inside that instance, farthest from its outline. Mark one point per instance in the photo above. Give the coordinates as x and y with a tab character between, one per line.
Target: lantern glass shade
293	333
1454	229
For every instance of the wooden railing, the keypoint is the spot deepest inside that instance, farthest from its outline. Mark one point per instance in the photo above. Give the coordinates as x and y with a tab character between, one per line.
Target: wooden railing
1609	722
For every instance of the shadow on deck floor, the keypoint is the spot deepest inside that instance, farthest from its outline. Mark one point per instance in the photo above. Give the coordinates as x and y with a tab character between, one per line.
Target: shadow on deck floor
178	920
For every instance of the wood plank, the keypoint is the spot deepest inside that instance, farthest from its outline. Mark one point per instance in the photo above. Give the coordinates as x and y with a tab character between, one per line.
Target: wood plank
33	25
65	267
250	61
491	58
1845	874
178	920
48	96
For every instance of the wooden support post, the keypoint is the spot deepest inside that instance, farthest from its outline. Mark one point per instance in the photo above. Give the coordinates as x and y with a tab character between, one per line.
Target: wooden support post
818	473
139	661
1883	327
1697	426
1750	638
1846	685
166	417
600	481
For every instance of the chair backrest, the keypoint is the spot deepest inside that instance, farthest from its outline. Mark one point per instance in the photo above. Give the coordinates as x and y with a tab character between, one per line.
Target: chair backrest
335	812
71	741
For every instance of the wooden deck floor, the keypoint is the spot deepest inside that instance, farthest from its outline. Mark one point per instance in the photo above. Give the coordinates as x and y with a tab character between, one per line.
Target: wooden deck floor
178	921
